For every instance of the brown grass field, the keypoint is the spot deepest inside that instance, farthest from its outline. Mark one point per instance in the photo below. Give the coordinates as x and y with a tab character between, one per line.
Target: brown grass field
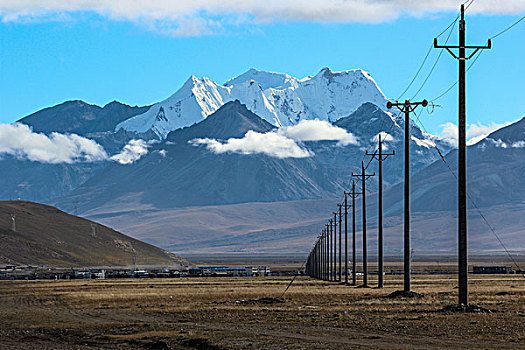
203	314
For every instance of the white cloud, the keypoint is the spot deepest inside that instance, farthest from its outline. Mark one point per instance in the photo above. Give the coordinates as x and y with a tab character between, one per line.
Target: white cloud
518	144
427	143
498	143
131	152
449	133
385	137
190	18
269	143
475	132
20	141
317	130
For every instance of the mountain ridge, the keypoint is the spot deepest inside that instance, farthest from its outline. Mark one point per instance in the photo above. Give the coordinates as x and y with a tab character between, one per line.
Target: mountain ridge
279	99
79	117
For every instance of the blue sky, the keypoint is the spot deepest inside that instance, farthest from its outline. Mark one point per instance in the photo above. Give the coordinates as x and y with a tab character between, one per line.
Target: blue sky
45	60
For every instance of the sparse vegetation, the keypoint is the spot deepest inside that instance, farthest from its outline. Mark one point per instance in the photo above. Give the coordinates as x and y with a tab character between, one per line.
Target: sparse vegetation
204	314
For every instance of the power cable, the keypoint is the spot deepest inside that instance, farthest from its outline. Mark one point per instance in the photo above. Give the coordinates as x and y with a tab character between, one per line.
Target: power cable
426	56
466	7
435	63
456	82
508	28
479	54
472	200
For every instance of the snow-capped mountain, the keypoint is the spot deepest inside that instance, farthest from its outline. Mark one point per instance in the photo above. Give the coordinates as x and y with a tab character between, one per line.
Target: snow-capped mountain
278	98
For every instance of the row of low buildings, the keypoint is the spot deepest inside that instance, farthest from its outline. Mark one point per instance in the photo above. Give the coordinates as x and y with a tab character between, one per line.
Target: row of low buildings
31	273
218	271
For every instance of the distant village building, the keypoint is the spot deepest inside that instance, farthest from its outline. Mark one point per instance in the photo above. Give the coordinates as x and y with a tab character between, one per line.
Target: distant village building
257	271
90	274
218	271
491	269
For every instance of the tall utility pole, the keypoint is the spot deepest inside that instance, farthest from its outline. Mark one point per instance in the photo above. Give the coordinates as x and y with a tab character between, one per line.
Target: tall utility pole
316	259
346	238
321	253
380	157
327	257
324	254
406	108
363	177
331	240
353	195
320	249
340	250
462	153
335	245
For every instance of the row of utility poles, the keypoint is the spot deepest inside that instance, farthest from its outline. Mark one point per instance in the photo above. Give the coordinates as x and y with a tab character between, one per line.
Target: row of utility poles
325	249
321	262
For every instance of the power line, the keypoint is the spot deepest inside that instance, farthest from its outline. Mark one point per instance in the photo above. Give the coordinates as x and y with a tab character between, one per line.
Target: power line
417	73
471	199
467	6
508	28
426	57
476	58
435	63
456	82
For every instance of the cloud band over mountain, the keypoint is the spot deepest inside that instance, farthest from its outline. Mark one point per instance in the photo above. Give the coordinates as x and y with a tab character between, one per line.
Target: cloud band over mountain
20	141
475	132
283	142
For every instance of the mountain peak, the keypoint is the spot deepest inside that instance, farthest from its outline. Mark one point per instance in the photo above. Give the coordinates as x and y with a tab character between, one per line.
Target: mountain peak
233	119
113	104
325	72
267	80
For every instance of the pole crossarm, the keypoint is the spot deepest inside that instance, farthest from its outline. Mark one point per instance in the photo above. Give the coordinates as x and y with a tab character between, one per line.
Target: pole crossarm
475	48
352	195
407	106
375	155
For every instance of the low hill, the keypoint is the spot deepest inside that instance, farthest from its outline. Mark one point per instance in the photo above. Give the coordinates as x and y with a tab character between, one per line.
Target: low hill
44	235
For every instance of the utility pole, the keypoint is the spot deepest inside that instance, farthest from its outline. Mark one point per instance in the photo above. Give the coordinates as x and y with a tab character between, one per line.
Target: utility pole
336	278
324	253
363	177
353	195
346	238
380	157
317	269
406	108
329	248
340	250
321	239
462	153
321	255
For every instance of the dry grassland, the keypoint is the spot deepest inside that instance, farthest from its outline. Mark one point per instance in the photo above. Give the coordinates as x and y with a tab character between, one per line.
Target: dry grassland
204	314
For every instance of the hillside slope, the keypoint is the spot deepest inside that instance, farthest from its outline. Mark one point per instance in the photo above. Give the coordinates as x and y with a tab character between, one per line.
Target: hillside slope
47	236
